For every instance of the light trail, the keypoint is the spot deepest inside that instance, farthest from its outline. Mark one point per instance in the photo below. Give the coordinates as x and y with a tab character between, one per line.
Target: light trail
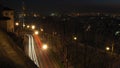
38	41
34	53
31	50
46	59
41	57
41	53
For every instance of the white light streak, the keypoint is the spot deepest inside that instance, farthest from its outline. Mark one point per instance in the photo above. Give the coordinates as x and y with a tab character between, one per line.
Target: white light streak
31	50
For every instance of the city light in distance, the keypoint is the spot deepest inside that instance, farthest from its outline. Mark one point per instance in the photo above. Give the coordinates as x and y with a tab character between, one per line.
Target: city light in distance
107	48
35	15
75	38
16	23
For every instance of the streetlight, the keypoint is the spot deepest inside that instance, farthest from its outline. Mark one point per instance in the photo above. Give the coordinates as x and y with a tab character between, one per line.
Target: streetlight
107	48
117	33
28	26
45	46
76	46
36	32
33	27
41	30
23	25
16	23
75	38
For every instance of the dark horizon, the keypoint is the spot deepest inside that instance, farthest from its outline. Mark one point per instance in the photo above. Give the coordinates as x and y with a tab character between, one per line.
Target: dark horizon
65	6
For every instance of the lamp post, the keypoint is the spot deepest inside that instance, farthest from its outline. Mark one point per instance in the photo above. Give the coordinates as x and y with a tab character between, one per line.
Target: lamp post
117	33
76	49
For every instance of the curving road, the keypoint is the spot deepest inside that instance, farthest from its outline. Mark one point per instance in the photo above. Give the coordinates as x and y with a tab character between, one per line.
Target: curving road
42	58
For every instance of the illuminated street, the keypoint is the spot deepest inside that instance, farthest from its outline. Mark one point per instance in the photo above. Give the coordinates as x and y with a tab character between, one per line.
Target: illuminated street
40	55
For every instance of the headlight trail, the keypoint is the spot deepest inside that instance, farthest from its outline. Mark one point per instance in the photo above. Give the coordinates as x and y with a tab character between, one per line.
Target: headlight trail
41	53
38	55
31	50
34	53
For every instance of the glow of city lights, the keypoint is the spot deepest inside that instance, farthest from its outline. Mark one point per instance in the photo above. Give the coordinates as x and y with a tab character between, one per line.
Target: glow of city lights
107	48
33	26
44	46
16	23
36	32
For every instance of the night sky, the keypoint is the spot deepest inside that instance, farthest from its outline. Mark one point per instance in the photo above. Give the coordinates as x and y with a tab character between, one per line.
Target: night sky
48	5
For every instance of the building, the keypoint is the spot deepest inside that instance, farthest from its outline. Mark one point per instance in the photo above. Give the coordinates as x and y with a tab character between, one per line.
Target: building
8	25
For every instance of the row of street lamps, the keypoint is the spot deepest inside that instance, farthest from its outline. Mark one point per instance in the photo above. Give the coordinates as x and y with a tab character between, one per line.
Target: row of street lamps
117	33
36	32
32	27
